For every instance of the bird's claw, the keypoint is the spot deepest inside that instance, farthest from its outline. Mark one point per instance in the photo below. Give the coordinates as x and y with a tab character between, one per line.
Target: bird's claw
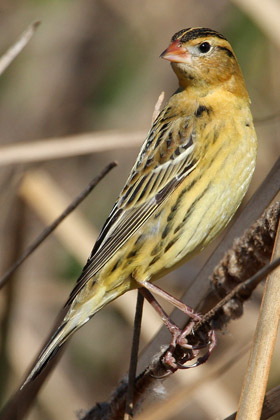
192	352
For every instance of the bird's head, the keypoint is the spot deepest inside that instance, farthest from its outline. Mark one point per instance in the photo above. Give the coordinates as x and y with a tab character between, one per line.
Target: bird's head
204	58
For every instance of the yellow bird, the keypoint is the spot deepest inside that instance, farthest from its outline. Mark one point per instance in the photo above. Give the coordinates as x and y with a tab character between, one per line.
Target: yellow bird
187	182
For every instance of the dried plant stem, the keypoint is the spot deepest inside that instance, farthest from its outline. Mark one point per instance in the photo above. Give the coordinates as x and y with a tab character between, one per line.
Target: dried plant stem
12	52
63	147
271	405
129	408
240	293
249	252
255	382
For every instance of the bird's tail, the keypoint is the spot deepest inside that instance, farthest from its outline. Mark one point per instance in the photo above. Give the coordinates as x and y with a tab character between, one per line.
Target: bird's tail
102	294
66	329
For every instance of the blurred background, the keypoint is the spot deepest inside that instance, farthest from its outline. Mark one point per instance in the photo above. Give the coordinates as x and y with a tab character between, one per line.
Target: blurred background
93	66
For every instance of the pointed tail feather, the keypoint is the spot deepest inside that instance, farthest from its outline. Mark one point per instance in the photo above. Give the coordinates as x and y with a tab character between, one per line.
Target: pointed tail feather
58	339
74	319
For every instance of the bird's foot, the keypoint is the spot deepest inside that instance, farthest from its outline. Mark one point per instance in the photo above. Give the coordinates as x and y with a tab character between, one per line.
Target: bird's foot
181	351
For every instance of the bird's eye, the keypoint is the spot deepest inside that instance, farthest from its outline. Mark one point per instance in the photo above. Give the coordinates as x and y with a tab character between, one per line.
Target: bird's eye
204	47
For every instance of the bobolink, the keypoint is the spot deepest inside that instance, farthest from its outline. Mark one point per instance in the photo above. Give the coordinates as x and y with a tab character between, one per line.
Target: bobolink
188	181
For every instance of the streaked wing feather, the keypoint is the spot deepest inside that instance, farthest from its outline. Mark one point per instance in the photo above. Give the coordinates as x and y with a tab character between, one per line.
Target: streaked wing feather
159	168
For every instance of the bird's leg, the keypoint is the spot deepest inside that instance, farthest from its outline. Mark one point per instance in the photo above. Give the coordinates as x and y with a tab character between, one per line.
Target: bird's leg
178	335
171	299
174	330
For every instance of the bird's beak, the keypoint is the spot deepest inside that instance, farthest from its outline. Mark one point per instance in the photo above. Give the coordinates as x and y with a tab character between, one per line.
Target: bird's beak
176	53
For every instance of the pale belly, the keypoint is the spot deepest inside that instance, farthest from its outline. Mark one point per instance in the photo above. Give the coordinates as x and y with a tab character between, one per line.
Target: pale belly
202	213
186	222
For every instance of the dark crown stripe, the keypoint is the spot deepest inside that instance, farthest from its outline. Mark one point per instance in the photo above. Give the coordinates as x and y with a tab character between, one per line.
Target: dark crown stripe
193	33
227	50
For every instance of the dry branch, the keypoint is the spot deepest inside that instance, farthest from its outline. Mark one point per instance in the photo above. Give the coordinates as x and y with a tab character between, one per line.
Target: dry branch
249	254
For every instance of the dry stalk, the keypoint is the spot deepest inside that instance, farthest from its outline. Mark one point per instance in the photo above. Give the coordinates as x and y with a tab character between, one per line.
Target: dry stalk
249	253
271	405
255	381
63	147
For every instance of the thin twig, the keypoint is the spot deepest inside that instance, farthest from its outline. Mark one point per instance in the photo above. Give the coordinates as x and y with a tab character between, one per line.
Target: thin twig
129	408
255	381
49	229
249	252
12	52
241	292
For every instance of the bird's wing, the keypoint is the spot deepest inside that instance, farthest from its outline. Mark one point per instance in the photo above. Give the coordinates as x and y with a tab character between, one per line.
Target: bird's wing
166	157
